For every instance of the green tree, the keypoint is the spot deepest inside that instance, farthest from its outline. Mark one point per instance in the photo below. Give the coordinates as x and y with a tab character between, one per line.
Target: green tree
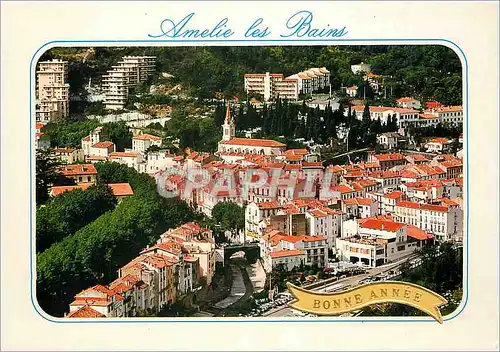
70	211
45	174
69	134
230	216
119	133
94	253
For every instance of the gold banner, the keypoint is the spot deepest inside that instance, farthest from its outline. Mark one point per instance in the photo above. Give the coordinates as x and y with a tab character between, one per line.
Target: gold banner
320	303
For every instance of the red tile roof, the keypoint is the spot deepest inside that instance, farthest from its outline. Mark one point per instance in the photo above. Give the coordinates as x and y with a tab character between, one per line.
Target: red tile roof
286	253
405	100
63	150
85	312
78	169
312	164
317	213
291	239
433	104
121	189
393	195
382	225
439	140
57	190
302	151
123	155
306	238
359	201
293	157
147	137
389	157
273	204
429	207
417	233
105	144
342	189
253	142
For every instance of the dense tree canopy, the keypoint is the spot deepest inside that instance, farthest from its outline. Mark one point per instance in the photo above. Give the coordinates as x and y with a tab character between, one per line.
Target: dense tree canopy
70	211
230	216
70	133
424	71
93	253
45	174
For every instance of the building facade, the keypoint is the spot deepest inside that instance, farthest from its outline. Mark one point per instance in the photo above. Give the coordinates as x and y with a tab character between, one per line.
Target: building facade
52	91
123	77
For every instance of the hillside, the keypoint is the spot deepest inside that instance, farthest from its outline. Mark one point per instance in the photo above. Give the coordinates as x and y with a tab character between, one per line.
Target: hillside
425	72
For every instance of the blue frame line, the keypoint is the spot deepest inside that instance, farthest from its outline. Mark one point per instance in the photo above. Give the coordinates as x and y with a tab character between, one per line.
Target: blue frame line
431	41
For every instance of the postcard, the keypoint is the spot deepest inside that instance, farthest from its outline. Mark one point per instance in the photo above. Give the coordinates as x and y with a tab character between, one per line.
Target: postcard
216	175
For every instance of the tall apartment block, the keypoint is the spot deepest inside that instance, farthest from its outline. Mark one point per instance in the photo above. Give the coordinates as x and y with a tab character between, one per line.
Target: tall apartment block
52	91
129	72
274	85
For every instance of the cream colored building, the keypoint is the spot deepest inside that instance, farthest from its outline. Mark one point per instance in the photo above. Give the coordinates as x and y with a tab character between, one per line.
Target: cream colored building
131	159
68	155
141	142
288	258
375	242
445	221
52	90
129	72
273	85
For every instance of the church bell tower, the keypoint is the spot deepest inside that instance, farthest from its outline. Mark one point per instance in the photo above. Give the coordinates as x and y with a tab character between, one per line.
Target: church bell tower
228	128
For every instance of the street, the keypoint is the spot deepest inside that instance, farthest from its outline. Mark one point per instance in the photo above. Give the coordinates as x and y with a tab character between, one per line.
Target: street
285	311
237	289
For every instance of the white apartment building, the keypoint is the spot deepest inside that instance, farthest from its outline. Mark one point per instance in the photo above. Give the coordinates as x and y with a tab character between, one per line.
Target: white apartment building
360	207
288	258
102	149
262	83
141	142
444	221
122	77
408	103
255	213
274	85
452	115
377	242
438	145
389	201
131	159
287	89
405	117
52	90
304	82
389	140
361	68
158	161
316	248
